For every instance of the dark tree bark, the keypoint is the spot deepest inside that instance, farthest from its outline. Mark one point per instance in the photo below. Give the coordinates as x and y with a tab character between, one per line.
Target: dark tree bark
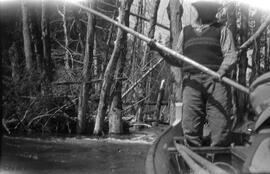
36	37
45	30
26	38
231	24
109	72
146	58
242	102
256	57
88	60
66	37
79	29
175	12
14	58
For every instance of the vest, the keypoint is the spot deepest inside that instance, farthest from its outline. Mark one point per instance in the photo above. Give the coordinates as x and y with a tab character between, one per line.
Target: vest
203	48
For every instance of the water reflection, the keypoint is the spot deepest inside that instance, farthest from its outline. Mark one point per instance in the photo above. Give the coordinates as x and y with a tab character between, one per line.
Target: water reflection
28	155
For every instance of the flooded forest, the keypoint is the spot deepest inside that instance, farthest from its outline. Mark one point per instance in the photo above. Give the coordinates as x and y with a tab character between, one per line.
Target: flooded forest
79	80
66	71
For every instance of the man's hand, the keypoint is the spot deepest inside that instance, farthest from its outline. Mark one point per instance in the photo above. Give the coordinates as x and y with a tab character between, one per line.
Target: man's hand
221	74
152	44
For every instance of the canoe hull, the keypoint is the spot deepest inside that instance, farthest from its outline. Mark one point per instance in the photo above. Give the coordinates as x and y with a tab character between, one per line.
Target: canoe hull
159	160
162	161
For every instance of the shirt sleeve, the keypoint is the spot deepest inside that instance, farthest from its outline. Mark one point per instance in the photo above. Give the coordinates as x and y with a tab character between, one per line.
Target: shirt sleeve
179	48
228	49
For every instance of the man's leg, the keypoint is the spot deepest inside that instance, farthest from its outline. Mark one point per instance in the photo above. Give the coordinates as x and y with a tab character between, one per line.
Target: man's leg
218	109
193	111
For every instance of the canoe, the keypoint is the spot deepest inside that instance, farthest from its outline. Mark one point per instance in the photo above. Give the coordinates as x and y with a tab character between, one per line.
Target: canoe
163	157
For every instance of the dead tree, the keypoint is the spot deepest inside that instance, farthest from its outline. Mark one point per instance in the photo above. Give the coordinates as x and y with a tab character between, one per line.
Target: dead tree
14	58
78	25
136	41
159	100
67	54
256	55
88	59
115	115
175	12
26	37
109	72
146	57
35	29
46	41
231	24
241	104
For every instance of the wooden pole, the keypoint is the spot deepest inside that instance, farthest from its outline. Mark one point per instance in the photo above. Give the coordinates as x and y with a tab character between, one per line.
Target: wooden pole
163	48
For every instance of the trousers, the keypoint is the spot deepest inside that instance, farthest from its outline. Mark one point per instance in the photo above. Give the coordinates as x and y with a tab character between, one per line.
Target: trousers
206	100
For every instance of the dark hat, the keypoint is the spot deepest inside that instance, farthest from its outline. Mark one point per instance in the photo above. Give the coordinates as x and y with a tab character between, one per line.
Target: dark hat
207	10
260	98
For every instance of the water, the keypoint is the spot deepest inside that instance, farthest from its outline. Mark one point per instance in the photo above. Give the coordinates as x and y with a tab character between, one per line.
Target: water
21	155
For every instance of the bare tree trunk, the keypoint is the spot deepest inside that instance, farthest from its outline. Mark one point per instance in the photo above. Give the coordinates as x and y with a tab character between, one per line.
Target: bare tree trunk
147	55
175	12
78	24
67	56
26	38
14	58
256	57
108	75
45	30
231	24
88	59
97	65
242	66
159	100
135	49
35	29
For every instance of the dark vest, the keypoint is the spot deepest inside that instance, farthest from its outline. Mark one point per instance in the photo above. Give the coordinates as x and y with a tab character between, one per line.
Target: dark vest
204	48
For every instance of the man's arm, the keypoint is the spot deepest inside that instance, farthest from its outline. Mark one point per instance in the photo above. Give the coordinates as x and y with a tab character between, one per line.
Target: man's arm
229	51
169	58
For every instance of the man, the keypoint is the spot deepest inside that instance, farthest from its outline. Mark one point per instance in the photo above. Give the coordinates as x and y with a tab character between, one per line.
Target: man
205	98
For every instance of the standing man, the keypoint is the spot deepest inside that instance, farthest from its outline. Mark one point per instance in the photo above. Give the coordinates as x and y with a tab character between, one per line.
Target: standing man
204	97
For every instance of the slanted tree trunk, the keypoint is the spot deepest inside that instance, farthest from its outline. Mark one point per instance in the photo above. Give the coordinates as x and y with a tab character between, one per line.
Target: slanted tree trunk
26	38
242	102
110	69
175	12
88	59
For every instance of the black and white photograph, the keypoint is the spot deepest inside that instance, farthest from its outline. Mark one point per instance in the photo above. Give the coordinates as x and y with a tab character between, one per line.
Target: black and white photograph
135	86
